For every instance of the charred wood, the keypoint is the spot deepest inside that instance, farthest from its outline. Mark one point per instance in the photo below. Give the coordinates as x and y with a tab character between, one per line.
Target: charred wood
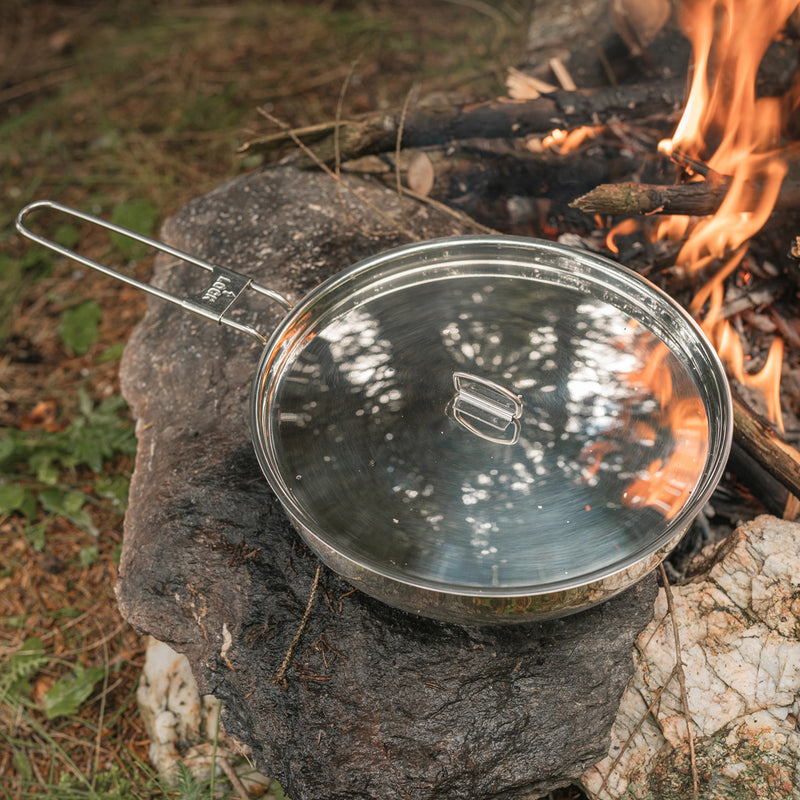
757	438
479	175
494	119
769	491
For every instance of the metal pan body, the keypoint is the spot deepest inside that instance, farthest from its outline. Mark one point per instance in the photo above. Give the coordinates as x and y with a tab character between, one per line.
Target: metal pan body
490	429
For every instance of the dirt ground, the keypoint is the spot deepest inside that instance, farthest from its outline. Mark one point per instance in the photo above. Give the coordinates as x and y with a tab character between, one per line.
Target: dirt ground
113	108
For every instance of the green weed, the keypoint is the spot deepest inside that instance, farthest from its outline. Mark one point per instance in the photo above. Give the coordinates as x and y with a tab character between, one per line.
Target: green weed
39	469
80	326
32	741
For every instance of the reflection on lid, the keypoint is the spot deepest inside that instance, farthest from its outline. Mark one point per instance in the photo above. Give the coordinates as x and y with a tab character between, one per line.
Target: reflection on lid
667	485
612	440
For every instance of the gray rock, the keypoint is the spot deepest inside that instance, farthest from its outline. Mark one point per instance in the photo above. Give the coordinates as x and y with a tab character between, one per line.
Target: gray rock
376	703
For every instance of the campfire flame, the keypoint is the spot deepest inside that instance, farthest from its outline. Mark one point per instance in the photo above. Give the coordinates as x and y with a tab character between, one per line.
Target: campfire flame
567	141
731	138
737	136
622	228
727	134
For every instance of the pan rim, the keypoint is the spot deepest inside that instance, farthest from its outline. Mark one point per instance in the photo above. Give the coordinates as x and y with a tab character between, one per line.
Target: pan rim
433	254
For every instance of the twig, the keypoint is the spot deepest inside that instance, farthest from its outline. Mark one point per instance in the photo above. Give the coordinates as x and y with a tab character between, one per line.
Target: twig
34	85
692	199
101	714
438	125
629	199
235	780
453	212
280	677
399	146
337	154
636	729
693	165
522	86
562	75
337	166
681	683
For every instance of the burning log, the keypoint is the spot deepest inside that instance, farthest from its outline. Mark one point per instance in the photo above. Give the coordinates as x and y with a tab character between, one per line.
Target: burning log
440	124
689	199
773	495
761	441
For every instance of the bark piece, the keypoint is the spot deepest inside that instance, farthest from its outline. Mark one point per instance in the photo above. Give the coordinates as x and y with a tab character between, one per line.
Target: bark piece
758	438
376	703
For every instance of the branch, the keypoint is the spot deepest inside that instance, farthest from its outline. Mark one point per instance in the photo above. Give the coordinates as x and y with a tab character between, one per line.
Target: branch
438	125
692	199
759	439
681	682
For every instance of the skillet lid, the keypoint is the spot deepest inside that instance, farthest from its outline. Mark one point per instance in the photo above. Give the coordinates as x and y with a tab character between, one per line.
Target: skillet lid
491	415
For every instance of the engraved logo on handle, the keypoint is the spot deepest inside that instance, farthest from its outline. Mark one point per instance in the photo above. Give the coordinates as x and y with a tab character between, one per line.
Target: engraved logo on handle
223	292
486	409
219	288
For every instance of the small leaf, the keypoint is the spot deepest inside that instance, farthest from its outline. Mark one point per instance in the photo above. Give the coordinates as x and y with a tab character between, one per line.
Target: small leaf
30	657
67	236
73	502
37	262
137	215
187	784
88	555
52	500
25	662
43	464
8	446
67	694
16	498
114	488
37	535
69	504
85	403
22	764
80	325
112	353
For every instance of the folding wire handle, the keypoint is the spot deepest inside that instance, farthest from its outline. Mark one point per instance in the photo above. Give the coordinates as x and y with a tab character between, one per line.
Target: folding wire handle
212	303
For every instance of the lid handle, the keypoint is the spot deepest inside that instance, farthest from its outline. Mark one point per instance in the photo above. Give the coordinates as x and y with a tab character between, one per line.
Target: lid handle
486	408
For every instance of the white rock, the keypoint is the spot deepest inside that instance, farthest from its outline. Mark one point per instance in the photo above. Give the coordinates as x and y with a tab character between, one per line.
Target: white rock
739	629
184	727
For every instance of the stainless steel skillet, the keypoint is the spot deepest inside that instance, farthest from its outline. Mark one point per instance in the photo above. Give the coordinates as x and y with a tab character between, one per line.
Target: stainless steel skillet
478	429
